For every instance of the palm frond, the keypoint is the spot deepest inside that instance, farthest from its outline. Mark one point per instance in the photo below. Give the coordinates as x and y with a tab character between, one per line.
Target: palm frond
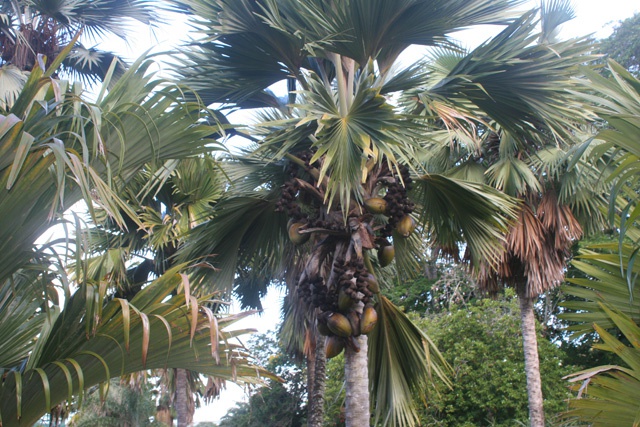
554	13
402	361
90	65
456	211
245	231
148	332
12	80
607	394
520	85
604	281
248	46
617	101
135	123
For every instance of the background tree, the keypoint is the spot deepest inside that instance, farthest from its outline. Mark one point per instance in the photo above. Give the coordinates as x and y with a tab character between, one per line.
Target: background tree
623	45
123	406
32	28
556	196
277	404
483	343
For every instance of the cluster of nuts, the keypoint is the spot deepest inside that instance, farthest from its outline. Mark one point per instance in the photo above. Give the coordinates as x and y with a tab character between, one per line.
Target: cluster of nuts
352	283
343	298
288	201
398	205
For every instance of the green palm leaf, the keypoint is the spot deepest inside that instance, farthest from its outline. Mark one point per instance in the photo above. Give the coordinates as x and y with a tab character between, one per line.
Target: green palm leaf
608	394
148	332
402	361
456	211
520	85
604	281
134	123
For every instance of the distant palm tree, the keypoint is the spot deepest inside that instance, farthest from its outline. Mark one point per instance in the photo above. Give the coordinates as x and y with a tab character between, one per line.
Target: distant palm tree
124	406
352	135
557	196
29	28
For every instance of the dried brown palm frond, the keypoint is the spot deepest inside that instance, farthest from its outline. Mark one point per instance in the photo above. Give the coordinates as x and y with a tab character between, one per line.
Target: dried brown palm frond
535	249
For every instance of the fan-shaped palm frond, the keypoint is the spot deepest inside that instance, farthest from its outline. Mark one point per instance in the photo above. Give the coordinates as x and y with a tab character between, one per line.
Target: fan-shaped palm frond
397	351
477	217
503	78
12	79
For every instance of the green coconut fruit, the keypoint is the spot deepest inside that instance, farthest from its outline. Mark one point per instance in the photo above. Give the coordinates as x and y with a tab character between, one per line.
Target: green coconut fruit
376	205
386	255
323	329
368	320
339	325
354	320
295	237
372	283
344	301
333	346
405	226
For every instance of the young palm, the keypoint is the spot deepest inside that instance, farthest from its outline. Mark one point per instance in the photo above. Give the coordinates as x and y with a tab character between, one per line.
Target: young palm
168	201
343	161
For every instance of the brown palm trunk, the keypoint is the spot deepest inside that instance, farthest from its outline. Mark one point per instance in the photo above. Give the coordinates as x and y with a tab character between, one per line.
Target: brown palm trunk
316	394
531	362
182	399
357	384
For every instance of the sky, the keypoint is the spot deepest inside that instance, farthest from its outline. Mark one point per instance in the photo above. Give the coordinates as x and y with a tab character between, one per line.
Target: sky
593	17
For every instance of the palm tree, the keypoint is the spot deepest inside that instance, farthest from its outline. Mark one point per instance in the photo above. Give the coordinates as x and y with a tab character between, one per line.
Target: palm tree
555	193
29	29
58	149
343	160
126	406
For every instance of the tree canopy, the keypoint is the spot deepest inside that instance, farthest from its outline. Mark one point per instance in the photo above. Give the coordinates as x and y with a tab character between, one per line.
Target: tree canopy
623	46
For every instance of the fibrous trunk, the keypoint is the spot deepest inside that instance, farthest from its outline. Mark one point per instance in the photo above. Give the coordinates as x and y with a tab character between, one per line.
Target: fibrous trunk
182	398
531	362
316	393
357	384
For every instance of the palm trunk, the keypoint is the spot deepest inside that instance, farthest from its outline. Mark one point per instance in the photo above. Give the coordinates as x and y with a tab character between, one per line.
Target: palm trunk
316	395
531	362
311	375
357	384
182	399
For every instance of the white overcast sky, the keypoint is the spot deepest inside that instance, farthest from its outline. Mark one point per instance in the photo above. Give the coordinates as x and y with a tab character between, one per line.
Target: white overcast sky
594	17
